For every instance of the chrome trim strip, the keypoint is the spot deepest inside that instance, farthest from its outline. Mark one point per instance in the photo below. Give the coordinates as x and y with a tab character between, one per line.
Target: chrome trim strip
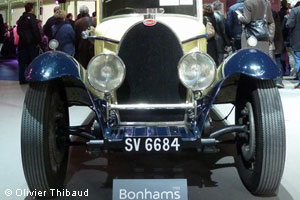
195	38
150	106
104	39
176	123
142	16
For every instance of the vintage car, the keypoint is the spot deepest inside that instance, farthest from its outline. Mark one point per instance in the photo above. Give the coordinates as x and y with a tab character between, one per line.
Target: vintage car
151	88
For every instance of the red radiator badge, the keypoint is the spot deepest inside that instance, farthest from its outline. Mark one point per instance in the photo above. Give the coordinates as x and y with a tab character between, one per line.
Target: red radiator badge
149	22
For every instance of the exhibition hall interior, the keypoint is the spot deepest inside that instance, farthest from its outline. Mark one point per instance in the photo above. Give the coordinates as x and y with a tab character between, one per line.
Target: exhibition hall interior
149	99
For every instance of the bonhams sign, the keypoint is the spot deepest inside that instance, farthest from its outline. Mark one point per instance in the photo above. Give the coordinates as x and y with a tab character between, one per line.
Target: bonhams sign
150	189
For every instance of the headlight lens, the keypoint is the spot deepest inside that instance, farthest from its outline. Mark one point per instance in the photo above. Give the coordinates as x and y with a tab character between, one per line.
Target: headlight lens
106	72
197	70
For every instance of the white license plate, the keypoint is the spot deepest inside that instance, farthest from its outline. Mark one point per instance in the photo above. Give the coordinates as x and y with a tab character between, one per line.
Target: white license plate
152	144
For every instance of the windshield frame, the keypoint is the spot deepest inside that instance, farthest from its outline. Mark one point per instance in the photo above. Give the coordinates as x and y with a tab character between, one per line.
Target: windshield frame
100	18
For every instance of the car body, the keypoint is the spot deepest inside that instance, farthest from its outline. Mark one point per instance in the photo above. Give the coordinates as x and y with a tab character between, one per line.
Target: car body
151	88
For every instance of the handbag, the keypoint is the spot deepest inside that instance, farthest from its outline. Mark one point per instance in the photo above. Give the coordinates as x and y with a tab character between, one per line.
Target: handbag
210	30
258	28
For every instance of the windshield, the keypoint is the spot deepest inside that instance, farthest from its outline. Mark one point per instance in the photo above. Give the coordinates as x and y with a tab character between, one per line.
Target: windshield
118	7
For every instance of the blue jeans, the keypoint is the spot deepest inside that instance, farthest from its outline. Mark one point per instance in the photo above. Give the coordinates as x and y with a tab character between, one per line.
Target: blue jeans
297	58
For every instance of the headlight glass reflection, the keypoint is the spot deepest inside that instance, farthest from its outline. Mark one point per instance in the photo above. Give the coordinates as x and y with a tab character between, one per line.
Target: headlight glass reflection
106	72
197	70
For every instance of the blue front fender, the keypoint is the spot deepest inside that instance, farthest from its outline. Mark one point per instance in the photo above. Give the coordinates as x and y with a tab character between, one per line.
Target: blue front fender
251	62
52	65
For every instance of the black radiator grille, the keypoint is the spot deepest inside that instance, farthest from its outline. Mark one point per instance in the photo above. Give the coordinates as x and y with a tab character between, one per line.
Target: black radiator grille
151	56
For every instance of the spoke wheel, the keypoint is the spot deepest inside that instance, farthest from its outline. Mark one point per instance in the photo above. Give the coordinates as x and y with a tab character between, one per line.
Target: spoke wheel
43	144
261	151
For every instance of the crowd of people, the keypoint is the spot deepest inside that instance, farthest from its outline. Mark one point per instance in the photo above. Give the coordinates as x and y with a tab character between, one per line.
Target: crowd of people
282	43
28	38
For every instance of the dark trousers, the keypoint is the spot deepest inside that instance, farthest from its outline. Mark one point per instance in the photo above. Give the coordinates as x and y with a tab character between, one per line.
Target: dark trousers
220	58
280	68
236	45
25	56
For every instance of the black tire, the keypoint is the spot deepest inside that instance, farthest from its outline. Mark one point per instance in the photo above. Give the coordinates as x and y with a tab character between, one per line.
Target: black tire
44	152
261	174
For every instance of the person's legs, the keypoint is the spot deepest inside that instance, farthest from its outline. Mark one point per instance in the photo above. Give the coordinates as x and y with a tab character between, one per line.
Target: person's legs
1	45
220	58
287	64
297	59
237	44
33	53
23	59
292	61
278	80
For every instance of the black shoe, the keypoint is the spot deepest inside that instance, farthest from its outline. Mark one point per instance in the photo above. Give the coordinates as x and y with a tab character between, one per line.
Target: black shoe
279	85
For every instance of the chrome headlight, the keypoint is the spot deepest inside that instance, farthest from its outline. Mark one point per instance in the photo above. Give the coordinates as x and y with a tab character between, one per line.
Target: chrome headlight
106	72
197	70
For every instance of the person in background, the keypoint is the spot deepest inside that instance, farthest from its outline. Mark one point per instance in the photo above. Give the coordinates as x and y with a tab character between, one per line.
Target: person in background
293	23
208	16
233	25
69	19
2	30
78	17
84	48
8	48
16	36
278	48
221	38
30	39
49	24
94	15
63	33
255	10
290	64
44	41
283	10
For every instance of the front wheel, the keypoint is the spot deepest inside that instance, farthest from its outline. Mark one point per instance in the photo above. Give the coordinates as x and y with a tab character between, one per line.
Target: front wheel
260	152
43	144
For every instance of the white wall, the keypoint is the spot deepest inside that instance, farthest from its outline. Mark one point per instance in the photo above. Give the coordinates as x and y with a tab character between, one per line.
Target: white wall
47	12
3	12
89	4
16	14
48	9
70	9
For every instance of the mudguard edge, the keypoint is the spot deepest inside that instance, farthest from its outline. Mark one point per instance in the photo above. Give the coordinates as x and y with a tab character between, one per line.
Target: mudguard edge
251	62
51	65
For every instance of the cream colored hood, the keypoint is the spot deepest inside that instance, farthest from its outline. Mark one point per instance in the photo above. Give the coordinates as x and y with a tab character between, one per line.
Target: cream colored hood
184	27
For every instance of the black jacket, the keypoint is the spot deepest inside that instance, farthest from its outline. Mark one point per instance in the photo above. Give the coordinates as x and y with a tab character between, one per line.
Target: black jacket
28	30
220	37
47	27
211	43
293	23
1	29
233	25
